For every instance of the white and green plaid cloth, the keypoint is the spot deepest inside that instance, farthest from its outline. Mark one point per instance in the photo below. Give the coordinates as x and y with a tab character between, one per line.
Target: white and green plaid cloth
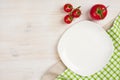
112	70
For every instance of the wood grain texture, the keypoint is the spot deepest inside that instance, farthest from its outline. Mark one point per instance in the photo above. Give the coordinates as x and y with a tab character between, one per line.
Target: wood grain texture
29	32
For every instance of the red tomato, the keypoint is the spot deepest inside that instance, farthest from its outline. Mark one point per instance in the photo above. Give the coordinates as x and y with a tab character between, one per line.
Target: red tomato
68	19
98	11
68	7
76	13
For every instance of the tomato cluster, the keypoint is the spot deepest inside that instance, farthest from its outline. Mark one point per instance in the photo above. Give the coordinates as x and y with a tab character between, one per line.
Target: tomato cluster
72	13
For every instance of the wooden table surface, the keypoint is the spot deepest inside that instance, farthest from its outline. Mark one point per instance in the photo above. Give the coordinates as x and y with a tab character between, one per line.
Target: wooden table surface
29	33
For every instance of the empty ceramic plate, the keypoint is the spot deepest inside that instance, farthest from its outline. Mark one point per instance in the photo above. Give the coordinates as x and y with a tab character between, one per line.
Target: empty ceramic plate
85	48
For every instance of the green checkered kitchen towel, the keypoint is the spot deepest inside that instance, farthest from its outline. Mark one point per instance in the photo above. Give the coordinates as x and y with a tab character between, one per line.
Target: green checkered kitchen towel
112	70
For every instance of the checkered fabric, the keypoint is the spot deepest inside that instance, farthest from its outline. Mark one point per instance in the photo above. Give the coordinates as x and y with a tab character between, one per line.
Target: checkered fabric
112	70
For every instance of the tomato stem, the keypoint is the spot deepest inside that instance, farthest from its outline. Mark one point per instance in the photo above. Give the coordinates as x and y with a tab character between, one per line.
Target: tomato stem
105	8
78	7
99	11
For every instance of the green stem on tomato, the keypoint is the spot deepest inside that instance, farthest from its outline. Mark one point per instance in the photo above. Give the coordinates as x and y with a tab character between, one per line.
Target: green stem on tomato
78	7
99	11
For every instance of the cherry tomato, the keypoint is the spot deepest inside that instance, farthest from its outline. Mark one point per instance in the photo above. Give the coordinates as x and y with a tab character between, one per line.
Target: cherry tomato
98	11
68	19
68	7
76	13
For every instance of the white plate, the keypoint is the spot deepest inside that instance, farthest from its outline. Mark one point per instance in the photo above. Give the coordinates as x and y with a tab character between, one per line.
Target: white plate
85	48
